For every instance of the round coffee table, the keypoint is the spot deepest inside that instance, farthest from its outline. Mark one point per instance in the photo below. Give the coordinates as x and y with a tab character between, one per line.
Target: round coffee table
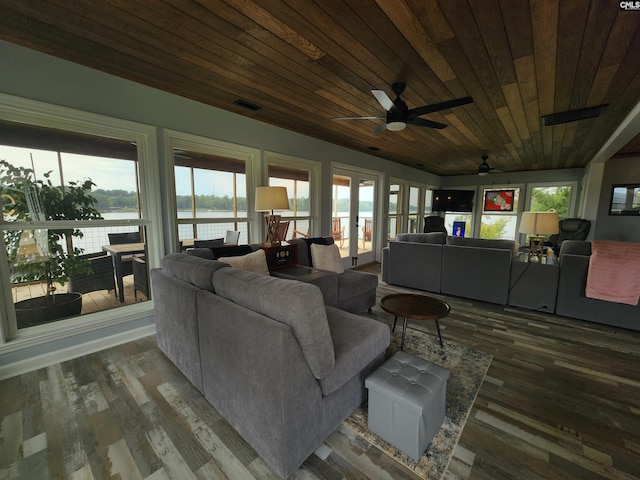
414	307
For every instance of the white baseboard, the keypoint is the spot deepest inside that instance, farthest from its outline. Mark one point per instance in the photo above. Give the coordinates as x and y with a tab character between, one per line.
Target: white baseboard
31	364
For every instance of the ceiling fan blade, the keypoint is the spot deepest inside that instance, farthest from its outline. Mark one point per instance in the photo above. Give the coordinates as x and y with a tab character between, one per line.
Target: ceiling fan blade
383	99
426	123
380	129
436	107
359	118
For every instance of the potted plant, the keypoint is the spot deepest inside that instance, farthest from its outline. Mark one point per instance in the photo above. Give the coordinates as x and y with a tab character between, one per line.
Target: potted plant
45	255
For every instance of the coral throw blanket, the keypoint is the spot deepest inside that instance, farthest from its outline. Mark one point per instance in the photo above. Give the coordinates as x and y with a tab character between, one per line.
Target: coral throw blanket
614	272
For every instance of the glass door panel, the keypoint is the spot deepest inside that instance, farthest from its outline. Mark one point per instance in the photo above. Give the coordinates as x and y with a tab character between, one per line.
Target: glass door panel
353	216
341	213
366	191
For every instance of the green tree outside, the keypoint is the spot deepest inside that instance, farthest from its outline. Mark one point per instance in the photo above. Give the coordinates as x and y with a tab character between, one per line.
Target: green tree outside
556	198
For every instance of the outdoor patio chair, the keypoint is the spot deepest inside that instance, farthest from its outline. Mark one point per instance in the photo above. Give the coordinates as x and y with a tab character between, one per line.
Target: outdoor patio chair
100	278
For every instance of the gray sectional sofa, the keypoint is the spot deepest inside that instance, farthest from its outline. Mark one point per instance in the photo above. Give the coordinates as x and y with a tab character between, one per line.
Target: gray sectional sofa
281	367
352	290
464	267
487	270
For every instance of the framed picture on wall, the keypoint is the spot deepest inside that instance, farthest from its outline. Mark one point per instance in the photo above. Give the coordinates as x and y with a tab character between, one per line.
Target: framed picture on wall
499	200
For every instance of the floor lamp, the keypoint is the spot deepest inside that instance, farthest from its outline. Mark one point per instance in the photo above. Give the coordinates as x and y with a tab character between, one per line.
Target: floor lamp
538	224
269	199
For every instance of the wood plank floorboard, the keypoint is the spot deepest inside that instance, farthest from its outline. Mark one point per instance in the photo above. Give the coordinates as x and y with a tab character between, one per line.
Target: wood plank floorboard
561	400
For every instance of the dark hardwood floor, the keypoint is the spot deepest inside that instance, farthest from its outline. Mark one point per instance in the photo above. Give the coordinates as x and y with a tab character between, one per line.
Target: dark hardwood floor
561	400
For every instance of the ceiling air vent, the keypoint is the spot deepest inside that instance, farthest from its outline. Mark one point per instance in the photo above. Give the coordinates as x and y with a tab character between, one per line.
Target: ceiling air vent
248	105
573	115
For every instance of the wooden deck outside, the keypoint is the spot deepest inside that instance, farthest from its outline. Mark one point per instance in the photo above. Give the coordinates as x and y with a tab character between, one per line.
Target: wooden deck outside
91	302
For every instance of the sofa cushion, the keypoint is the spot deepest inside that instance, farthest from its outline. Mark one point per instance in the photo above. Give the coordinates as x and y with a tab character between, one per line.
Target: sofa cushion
281	300
326	257
439	238
195	270
304	252
357	341
252	262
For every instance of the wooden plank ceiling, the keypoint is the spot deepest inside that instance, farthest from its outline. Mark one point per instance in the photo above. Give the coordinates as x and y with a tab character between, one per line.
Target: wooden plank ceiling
306	62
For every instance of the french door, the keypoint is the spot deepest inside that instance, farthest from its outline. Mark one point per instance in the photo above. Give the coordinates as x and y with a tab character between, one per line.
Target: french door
353	216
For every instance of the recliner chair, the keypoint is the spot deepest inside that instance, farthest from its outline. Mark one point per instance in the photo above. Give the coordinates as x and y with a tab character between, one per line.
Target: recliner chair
434	223
570	229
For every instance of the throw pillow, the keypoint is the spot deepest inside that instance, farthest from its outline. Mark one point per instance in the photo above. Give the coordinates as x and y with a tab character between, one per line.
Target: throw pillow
252	262
326	257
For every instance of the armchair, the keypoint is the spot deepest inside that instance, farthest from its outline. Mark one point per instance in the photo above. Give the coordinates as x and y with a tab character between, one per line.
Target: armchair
140	276
337	230
569	229
434	223
367	231
100	278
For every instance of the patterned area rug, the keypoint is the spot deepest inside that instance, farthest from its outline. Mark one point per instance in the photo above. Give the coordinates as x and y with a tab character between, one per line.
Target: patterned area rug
467	368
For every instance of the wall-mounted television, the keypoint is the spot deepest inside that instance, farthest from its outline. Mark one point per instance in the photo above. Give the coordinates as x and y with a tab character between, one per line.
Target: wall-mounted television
452	201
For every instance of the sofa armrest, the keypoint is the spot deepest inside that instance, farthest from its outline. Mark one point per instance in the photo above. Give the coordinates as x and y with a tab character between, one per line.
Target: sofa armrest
325	280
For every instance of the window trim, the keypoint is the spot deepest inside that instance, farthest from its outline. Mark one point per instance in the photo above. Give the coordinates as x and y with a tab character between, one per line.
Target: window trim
187	141
314	169
21	110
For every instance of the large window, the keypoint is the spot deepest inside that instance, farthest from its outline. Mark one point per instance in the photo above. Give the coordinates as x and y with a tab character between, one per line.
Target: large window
211	180
499	208
556	197
408	204
297	182
66	193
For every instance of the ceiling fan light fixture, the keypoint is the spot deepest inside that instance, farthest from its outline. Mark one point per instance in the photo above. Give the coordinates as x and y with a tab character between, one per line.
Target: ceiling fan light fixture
396	126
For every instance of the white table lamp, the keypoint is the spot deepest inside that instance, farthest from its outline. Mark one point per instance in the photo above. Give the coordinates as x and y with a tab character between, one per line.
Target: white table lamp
538	224
269	199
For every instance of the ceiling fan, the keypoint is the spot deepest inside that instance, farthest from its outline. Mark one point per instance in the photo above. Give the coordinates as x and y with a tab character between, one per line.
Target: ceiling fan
399	115
484	168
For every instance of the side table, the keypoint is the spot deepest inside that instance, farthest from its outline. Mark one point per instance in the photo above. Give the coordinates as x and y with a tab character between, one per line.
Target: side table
280	256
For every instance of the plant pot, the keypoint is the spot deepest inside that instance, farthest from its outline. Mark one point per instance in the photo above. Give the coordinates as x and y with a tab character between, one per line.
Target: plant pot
39	310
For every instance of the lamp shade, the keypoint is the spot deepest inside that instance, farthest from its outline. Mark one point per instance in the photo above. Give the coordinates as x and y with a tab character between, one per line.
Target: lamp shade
539	222
271	198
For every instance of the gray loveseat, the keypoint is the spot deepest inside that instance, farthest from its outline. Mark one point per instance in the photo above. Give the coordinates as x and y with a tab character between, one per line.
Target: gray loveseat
281	367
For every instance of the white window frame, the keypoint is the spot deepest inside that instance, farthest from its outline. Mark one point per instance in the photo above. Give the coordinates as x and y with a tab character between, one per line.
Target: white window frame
315	182
480	206
20	110
174	139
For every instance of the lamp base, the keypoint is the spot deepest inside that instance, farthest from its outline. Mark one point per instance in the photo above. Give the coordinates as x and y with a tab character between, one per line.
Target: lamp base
536	247
273	221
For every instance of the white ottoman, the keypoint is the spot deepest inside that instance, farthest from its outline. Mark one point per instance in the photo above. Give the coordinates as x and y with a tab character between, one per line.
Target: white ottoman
407	402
